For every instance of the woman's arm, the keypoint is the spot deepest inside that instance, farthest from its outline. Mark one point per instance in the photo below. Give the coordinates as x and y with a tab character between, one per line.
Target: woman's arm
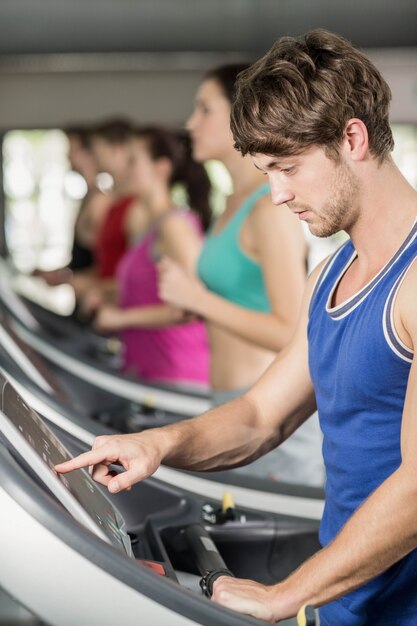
112	318
281	251
178	239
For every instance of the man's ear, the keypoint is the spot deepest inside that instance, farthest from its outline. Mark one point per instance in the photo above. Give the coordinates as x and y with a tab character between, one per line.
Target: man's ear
355	140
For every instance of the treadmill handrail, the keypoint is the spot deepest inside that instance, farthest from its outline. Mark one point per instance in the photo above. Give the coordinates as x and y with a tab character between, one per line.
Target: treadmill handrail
22	360
12	301
174	402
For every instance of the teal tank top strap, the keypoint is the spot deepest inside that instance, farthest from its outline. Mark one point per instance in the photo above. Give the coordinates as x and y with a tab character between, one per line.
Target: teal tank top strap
249	203
226	270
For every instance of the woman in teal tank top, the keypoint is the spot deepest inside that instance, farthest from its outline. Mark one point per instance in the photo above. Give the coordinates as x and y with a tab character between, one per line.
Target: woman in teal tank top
251	274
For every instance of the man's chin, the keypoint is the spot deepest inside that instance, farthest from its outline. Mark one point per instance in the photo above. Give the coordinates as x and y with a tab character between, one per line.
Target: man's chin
321	231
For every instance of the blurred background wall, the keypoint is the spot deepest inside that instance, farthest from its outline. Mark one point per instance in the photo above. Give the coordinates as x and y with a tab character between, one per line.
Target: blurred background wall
66	61
69	59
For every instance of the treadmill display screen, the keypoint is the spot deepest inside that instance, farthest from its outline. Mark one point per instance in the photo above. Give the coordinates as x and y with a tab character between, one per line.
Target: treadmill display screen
91	507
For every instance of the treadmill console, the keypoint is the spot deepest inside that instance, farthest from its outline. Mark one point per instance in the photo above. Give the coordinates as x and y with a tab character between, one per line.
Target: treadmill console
33	440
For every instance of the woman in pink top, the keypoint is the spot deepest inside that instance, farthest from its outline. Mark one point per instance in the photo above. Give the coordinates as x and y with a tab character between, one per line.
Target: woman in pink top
160	343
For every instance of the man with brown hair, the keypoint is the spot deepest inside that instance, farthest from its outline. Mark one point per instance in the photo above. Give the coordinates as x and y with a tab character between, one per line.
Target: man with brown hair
313	114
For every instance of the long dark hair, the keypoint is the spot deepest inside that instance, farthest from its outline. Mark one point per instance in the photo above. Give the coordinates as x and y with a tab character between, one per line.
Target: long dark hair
225	76
176	146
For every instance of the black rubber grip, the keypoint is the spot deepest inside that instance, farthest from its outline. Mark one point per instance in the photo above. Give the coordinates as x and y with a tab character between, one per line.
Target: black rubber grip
206	555
208	559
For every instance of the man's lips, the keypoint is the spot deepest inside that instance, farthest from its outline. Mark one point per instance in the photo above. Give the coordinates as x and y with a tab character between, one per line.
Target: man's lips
301	213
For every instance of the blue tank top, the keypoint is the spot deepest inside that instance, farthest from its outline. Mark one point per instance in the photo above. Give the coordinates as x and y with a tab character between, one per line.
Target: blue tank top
360	368
225	268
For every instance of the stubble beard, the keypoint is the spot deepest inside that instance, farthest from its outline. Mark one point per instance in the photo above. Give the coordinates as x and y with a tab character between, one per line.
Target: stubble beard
341	209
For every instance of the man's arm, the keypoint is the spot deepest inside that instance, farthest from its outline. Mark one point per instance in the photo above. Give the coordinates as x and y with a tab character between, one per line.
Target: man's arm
380	533
228	436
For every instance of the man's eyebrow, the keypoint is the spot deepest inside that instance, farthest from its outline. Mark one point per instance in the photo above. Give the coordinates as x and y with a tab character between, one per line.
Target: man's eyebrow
269	166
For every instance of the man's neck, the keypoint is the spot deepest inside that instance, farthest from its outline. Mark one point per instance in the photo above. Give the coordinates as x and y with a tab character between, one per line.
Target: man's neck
388	211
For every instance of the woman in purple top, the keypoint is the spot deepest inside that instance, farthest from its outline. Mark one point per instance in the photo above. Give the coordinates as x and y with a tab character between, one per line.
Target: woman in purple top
161	344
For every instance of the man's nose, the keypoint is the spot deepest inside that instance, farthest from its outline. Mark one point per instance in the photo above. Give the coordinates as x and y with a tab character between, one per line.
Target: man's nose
281	192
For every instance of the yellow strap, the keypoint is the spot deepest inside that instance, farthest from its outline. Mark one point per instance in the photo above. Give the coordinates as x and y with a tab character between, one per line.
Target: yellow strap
301	616
228	502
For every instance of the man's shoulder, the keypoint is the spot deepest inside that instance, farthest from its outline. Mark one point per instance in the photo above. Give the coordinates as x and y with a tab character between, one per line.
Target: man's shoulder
406	300
408	285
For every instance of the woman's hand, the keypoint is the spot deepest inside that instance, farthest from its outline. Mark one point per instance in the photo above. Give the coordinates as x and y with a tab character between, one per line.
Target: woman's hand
109	318
91	302
54	278
179	289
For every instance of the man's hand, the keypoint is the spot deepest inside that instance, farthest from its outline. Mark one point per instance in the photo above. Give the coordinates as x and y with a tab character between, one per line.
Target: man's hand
247	597
138	454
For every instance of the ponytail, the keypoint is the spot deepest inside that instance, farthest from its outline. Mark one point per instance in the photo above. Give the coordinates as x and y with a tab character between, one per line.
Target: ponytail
196	182
176	146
